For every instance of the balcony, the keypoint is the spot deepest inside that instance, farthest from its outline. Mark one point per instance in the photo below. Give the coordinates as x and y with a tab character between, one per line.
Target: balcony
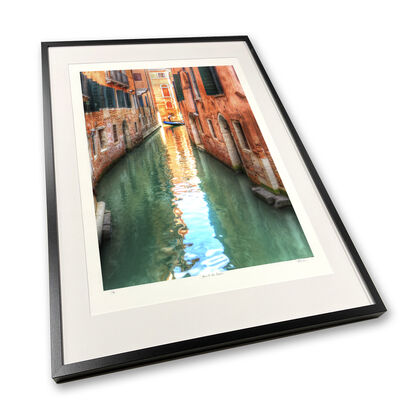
117	77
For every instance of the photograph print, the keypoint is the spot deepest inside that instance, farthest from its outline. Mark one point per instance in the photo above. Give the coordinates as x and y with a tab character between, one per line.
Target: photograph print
184	184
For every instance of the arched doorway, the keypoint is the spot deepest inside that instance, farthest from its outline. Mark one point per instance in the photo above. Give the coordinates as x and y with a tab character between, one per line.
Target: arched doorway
126	133
194	130
230	143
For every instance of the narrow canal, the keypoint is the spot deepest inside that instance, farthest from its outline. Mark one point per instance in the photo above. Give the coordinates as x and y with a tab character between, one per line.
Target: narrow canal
178	212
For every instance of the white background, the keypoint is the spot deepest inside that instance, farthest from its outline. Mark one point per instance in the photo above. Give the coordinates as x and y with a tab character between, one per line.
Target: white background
337	66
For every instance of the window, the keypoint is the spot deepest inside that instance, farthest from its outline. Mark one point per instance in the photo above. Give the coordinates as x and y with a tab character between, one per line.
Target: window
109	97
211	128
169	105
194	84
146	101
102	138
92	140
240	135
84	85
178	88
127	99
136	127
94	104
165	91
137	77
99	96
115	136
118	77
210	80
200	125
120	98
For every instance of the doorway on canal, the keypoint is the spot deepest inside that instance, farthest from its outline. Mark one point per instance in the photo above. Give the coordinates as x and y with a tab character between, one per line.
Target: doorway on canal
126	133
194	130
231	145
178	212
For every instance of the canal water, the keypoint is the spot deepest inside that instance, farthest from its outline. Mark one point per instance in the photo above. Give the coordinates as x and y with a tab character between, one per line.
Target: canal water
178	212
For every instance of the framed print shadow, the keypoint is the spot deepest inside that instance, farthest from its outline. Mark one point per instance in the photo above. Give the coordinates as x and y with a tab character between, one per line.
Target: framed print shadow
184	213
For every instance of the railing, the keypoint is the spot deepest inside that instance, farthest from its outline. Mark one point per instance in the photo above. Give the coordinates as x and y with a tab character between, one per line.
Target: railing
118	77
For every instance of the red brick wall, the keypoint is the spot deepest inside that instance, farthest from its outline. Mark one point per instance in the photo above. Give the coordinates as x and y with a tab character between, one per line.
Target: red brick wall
233	106
140	122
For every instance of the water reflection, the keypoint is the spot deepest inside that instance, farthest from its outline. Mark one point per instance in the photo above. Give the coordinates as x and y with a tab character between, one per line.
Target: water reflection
177	212
202	252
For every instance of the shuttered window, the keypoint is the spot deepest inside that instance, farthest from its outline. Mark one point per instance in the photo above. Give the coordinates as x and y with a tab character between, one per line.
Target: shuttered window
210	80
94	96
102	98
110	97
128	100
84	85
178	88
120	98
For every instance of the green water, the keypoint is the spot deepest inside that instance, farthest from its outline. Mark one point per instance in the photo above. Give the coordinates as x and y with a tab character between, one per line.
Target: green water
178	212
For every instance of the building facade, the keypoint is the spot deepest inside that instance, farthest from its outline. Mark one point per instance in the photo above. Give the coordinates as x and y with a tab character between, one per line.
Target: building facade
119	114
163	94
219	120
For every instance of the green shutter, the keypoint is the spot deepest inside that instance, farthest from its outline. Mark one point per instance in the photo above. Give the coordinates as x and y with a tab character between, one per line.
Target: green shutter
102	97
84	85
120	98
90	102
110	98
128	101
94	97
178	88
210	80
96	93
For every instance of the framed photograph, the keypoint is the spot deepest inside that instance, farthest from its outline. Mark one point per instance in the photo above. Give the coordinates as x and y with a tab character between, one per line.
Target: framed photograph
184	214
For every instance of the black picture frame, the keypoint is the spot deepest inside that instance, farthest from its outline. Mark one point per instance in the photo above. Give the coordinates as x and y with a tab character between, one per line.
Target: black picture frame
62	372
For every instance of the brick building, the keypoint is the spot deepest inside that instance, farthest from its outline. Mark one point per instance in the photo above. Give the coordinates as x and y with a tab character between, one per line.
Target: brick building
163	94
220	121
119	114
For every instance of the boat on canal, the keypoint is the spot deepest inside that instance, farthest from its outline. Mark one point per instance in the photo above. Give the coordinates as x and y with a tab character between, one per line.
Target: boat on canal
173	123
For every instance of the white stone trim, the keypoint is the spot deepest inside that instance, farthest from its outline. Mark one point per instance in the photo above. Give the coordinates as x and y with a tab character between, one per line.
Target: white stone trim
270	172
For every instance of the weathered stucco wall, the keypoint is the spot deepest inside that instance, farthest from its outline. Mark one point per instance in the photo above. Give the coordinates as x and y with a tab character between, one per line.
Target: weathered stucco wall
111	132
224	124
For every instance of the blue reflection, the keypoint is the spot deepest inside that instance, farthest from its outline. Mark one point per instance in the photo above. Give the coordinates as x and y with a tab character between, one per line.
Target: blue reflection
203	252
